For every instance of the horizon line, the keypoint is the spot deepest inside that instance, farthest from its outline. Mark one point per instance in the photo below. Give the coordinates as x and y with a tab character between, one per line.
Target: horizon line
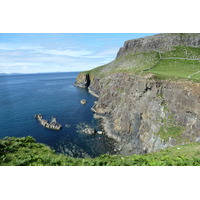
14	73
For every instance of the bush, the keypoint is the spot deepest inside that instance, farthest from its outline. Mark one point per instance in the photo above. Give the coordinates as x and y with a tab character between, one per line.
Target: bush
26	152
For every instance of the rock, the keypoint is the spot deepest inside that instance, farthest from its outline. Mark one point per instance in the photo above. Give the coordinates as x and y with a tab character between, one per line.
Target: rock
82	81
89	131
99	132
163	42
86	129
83	101
50	125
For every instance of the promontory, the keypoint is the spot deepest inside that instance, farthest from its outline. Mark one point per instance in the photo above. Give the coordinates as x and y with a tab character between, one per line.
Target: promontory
149	96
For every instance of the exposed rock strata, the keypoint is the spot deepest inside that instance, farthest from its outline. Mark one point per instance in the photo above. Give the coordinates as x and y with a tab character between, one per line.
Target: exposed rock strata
161	42
84	81
135	110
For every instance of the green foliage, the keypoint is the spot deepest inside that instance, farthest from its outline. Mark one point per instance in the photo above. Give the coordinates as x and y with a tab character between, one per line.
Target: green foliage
174	132
26	152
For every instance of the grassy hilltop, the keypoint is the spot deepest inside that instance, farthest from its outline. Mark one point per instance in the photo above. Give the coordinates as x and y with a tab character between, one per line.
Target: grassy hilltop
26	152
182	62
167	55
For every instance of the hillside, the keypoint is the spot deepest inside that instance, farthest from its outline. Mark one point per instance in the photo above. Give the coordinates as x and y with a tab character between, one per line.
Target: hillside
26	152
149	95
171	52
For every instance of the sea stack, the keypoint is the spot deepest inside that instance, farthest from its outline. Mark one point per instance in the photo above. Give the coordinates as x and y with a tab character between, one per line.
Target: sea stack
52	125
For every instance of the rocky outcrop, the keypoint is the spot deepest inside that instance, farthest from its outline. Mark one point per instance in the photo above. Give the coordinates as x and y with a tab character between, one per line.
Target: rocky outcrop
50	125
83	81
160	42
86	129
140	111
83	101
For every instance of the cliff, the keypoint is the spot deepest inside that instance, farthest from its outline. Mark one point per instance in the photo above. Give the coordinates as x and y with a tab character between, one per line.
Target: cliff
160	42
146	110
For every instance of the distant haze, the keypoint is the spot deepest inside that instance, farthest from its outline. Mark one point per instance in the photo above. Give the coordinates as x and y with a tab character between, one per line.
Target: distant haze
64	52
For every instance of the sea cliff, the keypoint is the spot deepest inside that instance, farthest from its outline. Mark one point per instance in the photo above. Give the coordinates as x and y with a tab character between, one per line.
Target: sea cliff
145	111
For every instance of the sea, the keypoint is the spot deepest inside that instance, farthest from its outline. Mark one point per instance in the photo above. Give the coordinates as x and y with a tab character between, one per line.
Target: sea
53	95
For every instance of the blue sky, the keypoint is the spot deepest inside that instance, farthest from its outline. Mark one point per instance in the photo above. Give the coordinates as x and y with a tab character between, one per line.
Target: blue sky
59	52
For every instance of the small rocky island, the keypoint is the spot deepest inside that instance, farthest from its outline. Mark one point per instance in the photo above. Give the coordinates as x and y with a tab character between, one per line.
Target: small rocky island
83	101
52	125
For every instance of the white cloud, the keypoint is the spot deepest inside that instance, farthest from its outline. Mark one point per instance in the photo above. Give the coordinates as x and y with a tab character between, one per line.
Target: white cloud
33	58
105	53
67	52
13	47
21	64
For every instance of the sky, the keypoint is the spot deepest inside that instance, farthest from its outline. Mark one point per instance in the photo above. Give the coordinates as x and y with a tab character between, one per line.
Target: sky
59	52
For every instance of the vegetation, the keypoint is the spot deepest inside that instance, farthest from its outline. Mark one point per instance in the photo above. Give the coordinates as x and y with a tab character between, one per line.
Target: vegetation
173	132
183	52
130	63
169	67
26	152
177	69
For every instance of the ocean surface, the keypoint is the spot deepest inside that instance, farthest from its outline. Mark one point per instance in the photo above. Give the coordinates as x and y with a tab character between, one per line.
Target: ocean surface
53	94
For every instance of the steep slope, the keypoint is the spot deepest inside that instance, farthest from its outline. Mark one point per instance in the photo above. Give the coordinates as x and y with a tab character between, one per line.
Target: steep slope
145	99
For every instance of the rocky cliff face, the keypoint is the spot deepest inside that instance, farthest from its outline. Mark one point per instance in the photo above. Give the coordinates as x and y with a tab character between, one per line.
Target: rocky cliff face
145	114
160	42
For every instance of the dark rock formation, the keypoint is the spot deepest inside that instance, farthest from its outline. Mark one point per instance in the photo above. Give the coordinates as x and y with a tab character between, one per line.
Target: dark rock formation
52	125
85	81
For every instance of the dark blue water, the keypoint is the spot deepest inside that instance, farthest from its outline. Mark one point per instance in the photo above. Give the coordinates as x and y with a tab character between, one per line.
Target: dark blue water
53	94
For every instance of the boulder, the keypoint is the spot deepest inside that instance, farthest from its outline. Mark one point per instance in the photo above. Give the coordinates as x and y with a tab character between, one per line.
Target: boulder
89	131
83	101
86	129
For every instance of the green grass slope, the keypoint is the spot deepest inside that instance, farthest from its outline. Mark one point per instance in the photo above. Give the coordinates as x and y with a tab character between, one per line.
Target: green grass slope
186	69
134	62
182	62
183	52
26	152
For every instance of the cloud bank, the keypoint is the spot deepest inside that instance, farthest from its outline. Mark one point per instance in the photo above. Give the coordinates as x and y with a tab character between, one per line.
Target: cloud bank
36	53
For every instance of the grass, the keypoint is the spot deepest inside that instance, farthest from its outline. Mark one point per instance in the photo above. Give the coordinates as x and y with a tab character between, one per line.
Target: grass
177	69
163	69
174	132
183	52
26	152
130	63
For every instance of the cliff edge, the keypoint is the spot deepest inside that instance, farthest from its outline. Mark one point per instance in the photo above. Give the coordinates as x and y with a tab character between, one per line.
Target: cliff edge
149	95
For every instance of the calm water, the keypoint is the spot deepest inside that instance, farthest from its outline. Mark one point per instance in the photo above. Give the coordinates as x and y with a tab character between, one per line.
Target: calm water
23	96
